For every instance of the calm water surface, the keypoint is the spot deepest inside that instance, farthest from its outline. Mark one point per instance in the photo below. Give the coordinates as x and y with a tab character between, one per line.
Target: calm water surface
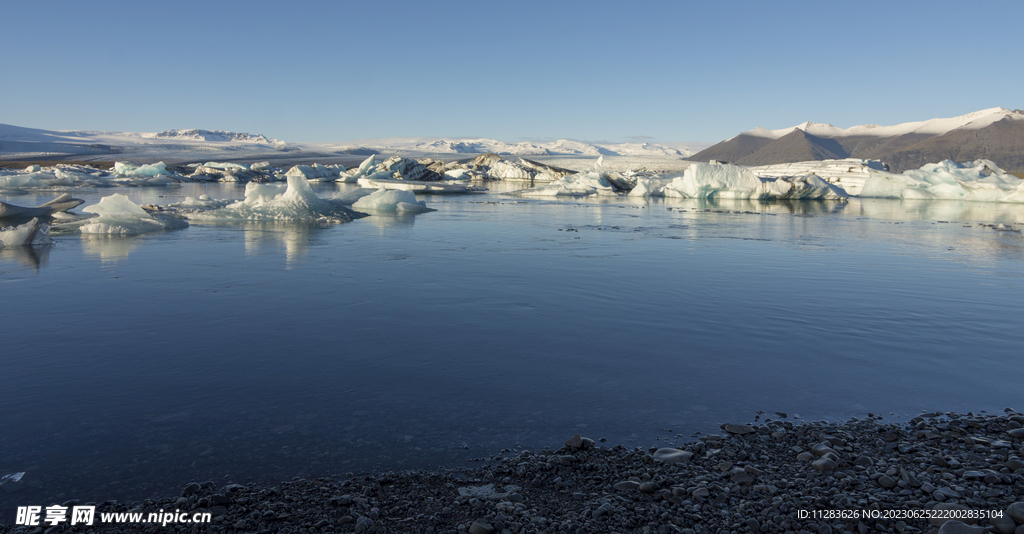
132	366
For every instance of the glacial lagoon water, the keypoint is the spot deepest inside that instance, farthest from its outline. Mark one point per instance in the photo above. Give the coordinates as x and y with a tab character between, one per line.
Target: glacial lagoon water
261	352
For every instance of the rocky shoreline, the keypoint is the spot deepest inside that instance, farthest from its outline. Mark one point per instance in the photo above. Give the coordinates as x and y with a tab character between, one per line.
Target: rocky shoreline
949	473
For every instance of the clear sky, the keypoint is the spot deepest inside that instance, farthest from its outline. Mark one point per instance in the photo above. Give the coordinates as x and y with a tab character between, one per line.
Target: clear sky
594	71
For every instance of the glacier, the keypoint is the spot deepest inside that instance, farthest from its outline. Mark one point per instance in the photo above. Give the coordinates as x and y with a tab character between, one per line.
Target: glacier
980	180
291	202
118	215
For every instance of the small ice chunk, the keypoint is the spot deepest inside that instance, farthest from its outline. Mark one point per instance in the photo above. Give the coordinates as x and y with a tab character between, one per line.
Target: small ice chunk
11	478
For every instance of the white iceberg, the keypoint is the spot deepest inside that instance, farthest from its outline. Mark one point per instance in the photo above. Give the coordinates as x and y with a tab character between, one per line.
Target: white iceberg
981	180
230	166
31	233
366	168
123	168
391	200
294	202
118	215
705	180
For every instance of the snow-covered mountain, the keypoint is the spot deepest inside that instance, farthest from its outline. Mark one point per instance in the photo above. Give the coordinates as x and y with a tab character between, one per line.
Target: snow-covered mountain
996	134
214	136
197	145
971	121
563	147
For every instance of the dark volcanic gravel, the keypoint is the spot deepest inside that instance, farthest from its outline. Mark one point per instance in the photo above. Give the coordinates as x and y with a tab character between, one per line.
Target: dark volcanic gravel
778	476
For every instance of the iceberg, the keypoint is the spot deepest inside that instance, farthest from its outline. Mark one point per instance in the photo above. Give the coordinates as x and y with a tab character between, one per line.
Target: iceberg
980	180
315	172
291	202
706	180
31	233
594	181
366	168
118	215
391	200
32	179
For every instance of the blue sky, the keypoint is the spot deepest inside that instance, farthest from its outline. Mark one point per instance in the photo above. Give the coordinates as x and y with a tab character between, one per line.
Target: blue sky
595	71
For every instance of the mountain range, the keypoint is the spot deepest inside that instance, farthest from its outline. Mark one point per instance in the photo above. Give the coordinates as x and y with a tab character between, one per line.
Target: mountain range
19	143
995	134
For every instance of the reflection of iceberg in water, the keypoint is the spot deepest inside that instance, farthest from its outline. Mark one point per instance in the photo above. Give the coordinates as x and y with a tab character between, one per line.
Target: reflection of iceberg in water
34	257
267	237
792	207
109	248
392	220
938	210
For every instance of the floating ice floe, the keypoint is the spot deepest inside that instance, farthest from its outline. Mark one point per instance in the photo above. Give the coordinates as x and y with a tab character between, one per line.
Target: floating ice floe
391	200
29	234
118	215
705	180
61	203
594	181
291	202
981	180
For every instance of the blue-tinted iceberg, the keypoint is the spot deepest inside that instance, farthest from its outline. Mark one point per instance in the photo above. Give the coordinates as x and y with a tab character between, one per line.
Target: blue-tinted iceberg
981	180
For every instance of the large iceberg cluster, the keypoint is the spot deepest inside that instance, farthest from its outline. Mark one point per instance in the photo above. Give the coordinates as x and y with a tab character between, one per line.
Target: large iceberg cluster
118	215
849	174
981	180
706	180
291	202
593	181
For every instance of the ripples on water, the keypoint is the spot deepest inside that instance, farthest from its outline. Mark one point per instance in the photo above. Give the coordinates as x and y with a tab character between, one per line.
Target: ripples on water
266	351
